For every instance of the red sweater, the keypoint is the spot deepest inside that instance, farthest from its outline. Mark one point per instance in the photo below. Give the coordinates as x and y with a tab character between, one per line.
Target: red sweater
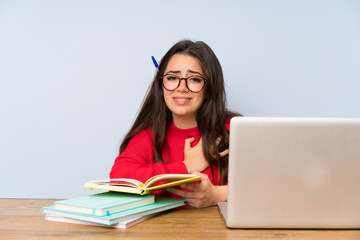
137	159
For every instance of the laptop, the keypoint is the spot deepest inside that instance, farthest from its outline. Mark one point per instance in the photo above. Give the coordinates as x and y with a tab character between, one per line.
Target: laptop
293	173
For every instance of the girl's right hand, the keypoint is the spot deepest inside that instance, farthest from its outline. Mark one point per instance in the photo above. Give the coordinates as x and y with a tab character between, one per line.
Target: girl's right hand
194	158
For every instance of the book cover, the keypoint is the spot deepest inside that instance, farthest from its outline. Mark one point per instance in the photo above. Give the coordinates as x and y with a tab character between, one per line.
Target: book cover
103	203
134	186
122	225
160	204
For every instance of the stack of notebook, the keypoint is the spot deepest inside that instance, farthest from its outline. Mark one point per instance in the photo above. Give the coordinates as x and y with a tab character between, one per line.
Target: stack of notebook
109	209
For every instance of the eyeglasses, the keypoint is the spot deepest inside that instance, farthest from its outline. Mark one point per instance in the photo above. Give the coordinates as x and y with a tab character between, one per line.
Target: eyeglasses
194	83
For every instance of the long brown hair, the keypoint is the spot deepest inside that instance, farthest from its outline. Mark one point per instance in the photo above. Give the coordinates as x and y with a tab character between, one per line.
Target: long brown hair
211	117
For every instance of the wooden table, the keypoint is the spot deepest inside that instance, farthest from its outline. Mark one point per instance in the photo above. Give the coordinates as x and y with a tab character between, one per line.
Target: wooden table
22	219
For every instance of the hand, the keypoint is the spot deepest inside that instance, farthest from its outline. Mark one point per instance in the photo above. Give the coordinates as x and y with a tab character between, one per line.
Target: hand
201	195
223	153
194	158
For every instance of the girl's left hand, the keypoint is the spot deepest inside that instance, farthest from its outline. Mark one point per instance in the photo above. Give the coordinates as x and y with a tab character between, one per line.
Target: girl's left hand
201	195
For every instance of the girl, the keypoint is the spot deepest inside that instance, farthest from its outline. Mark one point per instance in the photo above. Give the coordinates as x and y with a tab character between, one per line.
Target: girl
182	126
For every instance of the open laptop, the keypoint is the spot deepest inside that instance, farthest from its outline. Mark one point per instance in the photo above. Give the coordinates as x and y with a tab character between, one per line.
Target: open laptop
293	173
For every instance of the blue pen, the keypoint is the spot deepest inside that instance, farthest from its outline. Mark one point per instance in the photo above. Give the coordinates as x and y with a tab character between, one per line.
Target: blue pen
155	63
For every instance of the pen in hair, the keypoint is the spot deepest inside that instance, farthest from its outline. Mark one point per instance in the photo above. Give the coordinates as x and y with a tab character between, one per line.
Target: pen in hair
155	63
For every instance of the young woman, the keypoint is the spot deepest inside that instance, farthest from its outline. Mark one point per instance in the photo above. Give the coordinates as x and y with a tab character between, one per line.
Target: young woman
182	126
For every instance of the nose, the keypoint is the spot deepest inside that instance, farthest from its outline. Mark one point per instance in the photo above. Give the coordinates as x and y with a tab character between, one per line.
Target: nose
182	86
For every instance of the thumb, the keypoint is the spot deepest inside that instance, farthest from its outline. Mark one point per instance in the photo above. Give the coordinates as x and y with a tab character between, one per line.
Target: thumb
188	142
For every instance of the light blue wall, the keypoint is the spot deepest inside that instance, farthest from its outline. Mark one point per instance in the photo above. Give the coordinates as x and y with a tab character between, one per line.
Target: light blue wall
73	74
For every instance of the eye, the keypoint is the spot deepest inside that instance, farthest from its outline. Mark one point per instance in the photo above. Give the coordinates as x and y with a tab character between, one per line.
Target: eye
196	79
171	78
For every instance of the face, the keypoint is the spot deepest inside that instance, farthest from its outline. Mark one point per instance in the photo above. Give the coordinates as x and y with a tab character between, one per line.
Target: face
183	103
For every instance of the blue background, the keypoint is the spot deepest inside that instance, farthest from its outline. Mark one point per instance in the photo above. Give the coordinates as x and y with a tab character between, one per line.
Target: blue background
73	74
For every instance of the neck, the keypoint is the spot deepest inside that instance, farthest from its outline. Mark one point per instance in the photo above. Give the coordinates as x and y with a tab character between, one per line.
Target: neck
184	123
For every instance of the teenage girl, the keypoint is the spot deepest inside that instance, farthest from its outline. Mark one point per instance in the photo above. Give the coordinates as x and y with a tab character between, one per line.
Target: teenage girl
182	126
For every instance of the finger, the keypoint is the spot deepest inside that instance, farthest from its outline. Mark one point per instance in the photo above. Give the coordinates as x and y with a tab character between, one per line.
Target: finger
195	203
202	175
192	203
183	194
224	153
218	140
197	187
188	142
190	186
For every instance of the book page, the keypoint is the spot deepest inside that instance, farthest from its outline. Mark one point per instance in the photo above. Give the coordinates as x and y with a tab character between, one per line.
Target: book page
118	184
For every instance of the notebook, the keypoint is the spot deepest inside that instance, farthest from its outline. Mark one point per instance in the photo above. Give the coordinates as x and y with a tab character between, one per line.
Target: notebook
293	173
161	204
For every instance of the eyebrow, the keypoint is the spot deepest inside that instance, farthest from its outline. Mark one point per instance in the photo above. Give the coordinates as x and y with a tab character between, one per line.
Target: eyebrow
190	71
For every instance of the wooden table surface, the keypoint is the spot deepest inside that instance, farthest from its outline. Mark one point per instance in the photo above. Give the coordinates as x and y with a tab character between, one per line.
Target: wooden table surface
22	219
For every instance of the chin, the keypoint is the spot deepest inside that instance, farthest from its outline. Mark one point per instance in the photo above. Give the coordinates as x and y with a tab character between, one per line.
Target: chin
179	114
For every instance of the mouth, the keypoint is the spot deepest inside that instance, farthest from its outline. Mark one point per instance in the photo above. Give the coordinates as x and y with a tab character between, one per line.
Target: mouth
181	100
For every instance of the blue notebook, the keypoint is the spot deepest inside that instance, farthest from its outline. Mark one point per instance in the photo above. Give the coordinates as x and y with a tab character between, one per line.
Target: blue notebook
160	204
103	203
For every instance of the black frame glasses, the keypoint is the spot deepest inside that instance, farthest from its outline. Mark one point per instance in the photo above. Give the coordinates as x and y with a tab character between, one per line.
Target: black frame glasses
194	78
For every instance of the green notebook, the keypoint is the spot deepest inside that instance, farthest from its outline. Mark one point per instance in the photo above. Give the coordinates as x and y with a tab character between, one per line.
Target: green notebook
103	203
160	204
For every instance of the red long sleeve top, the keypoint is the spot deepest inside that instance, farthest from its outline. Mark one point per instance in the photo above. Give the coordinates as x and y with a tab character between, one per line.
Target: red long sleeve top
136	161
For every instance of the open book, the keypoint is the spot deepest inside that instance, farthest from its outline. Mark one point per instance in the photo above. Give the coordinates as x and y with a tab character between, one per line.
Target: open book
129	185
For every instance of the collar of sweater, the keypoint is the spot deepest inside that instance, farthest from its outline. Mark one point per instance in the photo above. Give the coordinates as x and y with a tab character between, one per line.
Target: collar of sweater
187	133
